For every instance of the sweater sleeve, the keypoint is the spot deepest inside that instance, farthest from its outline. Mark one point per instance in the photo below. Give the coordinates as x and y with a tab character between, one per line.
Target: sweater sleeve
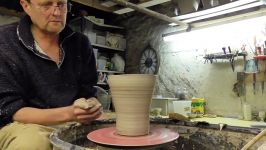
88	77
10	90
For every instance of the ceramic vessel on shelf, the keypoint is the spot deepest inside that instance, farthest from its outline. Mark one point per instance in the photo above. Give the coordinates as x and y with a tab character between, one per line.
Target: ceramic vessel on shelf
247	112
131	95
101	63
251	66
118	62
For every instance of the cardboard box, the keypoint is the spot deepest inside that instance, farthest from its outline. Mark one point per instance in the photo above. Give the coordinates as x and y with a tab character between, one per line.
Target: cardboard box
92	37
100	40
122	43
95	51
187	6
166	104
222	2
208	3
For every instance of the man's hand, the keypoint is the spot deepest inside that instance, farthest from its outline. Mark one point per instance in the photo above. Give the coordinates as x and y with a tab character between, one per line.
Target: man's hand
87	110
52	116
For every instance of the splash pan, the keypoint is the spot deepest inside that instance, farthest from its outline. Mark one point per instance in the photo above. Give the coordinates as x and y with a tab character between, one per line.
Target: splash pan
109	137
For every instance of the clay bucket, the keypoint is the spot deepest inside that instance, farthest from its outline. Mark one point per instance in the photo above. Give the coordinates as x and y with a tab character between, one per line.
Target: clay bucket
131	96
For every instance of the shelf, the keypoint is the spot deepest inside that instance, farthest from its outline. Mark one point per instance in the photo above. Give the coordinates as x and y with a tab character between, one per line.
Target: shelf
103	25
101	83
108	71
107	47
223	56
228	56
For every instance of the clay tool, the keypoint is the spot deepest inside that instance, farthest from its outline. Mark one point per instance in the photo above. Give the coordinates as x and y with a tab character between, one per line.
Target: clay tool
254	140
229	49
254	83
262	87
224	50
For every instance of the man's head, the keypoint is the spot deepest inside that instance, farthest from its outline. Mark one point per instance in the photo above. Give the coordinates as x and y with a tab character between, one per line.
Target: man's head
48	16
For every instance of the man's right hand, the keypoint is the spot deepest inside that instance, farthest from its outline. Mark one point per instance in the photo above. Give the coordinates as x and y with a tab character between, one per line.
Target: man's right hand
60	115
87	110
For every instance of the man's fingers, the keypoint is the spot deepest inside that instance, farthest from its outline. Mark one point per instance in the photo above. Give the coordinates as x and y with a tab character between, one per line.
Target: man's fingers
85	103
96	107
87	110
90	116
79	111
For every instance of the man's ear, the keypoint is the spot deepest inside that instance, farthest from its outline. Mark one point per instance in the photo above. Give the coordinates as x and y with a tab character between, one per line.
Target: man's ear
25	5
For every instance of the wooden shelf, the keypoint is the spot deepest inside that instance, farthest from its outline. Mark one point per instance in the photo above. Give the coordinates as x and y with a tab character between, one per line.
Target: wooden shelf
223	56
101	83
107	47
108	71
103	25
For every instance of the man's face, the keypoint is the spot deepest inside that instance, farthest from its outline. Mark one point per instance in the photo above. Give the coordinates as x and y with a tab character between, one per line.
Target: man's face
47	15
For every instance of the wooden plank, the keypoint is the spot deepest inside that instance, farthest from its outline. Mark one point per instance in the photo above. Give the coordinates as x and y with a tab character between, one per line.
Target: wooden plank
151	13
221	21
102	25
145	4
95	4
107	47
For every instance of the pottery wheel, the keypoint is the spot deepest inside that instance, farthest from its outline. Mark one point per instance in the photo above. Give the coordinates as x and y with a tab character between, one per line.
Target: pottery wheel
109	137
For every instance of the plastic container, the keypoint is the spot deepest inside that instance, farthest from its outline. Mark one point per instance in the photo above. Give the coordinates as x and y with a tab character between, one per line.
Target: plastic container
182	107
166	104
103	97
197	105
101	63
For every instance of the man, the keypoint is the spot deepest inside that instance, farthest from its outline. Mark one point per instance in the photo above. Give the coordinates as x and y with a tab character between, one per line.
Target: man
44	68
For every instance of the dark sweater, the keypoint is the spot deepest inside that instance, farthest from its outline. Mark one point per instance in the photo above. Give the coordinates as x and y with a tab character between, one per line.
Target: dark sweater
30	79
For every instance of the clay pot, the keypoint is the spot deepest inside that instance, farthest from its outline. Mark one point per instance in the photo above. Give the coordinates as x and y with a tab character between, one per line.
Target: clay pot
131	96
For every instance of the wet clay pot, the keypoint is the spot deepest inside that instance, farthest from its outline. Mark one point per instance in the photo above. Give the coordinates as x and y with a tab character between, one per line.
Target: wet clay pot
131	96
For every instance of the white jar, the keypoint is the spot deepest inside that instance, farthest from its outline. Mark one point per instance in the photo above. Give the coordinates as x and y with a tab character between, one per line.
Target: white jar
118	62
247	111
101	63
214	3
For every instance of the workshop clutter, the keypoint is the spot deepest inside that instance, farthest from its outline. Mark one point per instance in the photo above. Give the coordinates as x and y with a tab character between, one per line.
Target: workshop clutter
187	108
99	33
108	39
